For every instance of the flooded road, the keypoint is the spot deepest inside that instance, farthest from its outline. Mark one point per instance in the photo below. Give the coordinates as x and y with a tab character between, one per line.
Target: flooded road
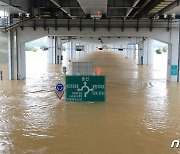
141	114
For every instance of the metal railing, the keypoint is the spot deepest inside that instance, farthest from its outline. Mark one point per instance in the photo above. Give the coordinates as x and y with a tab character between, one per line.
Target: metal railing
5	21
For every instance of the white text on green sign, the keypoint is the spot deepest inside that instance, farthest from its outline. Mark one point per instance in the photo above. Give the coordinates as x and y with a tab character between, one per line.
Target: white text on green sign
85	88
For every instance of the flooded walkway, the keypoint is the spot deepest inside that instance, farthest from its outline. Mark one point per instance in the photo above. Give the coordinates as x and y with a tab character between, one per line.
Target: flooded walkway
141	114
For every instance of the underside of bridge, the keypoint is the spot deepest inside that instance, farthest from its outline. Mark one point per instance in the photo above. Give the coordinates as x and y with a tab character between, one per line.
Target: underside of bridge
19	13
71	9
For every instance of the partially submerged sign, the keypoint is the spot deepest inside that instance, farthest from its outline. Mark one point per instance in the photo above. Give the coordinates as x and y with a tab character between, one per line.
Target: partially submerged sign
59	90
85	88
174	69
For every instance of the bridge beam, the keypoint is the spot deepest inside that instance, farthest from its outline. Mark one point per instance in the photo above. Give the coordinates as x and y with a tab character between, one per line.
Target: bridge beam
145	52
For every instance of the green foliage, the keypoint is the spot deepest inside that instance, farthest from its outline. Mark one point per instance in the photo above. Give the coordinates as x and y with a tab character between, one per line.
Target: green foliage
28	48
165	49
158	51
34	49
44	47
63	48
162	50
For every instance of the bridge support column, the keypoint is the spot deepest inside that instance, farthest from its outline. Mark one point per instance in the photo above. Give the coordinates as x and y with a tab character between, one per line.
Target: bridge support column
145	52
173	57
126	51
17	60
130	51
12	58
91	48
73	49
69	51
21	61
59	57
140	60
88	48
51	51
123	51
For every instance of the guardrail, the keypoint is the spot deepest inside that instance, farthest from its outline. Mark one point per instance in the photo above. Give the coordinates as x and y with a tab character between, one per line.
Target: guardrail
5	22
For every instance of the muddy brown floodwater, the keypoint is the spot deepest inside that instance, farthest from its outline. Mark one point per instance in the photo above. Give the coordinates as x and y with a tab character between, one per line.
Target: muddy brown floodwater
141	114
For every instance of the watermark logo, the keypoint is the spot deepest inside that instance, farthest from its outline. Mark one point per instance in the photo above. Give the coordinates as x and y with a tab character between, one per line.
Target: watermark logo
59	90
175	143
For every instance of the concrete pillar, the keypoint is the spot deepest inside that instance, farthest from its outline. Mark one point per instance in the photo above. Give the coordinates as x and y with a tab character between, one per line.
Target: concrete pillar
55	53
117	48
82	52
122	52
69	51
130	51
59	57
145	52
56	50
51	51
88	48
17	60
93	48
73	49
12	57
140	53
114	48
125	50
136	53
21	61
150	52
77	52
173	56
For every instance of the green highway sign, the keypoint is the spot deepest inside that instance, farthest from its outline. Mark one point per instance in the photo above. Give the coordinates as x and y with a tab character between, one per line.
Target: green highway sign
173	69
85	88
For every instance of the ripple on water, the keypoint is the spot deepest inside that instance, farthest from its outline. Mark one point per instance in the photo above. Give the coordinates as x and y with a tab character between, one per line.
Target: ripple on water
140	111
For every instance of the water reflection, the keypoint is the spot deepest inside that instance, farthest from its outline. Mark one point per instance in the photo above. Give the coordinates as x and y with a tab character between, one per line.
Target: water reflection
141	113
38	103
156	106
5	129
